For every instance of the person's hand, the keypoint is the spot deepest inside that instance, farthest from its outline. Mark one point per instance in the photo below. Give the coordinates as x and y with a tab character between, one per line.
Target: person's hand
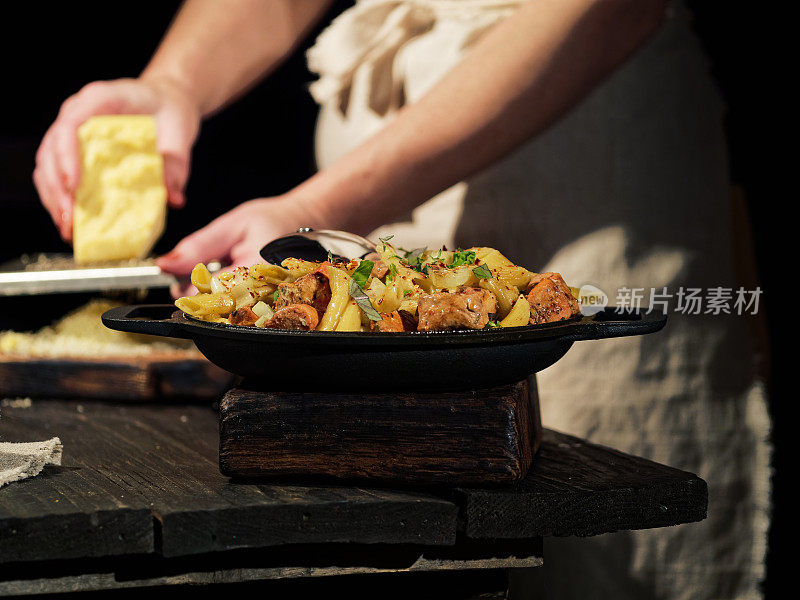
238	235
58	167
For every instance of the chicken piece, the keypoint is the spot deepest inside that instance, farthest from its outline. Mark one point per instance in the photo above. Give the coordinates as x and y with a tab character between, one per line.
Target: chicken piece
294	316
550	299
470	308
390	322
313	289
243	316
379	269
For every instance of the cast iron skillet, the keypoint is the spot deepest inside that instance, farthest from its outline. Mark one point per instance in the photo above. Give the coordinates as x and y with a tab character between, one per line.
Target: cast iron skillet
419	360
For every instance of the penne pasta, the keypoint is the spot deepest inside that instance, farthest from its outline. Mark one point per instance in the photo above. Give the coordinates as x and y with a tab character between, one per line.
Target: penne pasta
204	306
519	315
340	297
350	319
263	274
519	277
450	279
298	267
506	294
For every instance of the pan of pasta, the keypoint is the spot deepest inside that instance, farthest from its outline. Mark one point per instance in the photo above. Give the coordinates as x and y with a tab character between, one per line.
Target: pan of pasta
395	319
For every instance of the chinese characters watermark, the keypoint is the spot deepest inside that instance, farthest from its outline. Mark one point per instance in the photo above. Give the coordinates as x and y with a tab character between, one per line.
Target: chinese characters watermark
684	300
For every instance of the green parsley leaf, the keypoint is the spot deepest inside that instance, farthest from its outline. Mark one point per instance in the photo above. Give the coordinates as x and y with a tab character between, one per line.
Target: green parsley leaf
362	273
492	325
275	297
462	257
482	272
363	302
384	240
392	273
414	258
330	257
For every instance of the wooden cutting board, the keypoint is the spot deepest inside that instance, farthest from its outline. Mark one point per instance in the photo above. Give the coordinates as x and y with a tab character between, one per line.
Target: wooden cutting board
161	376
484	437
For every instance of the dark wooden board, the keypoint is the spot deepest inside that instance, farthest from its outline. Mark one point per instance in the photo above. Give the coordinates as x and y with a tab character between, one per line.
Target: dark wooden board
161	462
575	488
157	377
69	511
144	479
483	436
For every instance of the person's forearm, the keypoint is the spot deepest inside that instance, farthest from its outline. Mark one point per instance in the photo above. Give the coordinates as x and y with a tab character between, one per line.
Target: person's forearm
216	49
519	79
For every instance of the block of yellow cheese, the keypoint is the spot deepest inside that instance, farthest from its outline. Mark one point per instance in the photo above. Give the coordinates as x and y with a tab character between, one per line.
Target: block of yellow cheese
121	202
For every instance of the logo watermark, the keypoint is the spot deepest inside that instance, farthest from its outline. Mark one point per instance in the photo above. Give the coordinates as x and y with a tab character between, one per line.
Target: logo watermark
592	299
683	300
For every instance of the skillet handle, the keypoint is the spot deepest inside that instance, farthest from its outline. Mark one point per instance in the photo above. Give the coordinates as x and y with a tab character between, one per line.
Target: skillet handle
150	319
610	323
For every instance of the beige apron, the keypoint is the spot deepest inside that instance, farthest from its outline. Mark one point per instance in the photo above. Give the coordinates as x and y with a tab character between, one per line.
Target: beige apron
630	189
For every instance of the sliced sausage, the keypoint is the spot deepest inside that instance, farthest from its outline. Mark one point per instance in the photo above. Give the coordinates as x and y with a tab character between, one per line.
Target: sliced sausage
389	322
243	316
313	289
294	316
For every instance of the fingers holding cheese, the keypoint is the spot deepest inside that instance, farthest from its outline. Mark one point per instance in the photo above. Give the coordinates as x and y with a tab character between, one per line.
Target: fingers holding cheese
59	167
50	187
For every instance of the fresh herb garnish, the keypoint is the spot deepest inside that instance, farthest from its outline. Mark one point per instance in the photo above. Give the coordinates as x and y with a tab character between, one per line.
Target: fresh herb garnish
492	325
413	257
356	289
384	240
330	257
462	257
482	272
417	261
361	298
275	297
362	273
392	273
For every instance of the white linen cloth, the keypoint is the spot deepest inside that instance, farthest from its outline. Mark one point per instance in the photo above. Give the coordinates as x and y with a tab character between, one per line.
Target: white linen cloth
20	460
630	189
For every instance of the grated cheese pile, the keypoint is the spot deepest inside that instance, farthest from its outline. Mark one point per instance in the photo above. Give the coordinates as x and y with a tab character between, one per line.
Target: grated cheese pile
81	334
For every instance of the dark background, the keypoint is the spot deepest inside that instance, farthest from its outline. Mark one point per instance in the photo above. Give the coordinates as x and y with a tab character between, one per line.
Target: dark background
262	145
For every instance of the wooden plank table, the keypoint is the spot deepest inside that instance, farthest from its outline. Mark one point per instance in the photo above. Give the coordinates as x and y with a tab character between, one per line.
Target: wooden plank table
140	501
